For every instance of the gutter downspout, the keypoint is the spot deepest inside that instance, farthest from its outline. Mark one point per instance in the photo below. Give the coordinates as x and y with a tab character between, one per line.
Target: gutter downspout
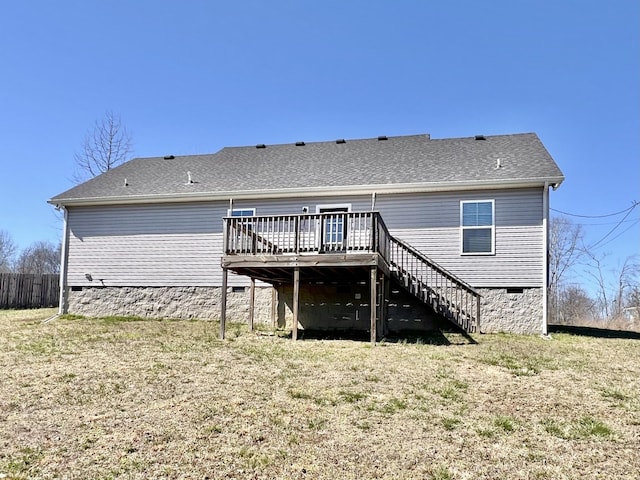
64	260
545	262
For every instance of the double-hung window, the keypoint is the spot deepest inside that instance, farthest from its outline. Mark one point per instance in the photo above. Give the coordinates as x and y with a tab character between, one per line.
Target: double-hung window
477	225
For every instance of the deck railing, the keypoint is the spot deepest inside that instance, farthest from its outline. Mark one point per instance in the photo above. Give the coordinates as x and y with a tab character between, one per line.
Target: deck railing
305	233
354	232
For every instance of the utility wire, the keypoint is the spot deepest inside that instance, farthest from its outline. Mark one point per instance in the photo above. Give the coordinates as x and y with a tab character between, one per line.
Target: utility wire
635	204
623	231
600	224
630	209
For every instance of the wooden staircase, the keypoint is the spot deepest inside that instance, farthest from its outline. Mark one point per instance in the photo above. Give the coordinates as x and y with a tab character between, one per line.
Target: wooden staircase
434	286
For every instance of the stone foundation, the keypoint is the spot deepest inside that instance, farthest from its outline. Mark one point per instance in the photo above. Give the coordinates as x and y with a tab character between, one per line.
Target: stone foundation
328	307
508	310
169	302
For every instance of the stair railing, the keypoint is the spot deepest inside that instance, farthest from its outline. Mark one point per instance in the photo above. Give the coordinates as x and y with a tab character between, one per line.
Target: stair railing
446	293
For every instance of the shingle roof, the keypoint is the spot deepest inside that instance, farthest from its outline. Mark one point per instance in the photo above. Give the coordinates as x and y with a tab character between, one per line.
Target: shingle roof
414	161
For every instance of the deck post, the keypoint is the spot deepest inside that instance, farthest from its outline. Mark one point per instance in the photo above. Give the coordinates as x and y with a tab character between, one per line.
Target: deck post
478	314
252	302
274	307
374	231
296	239
372	304
223	303
296	304
384	287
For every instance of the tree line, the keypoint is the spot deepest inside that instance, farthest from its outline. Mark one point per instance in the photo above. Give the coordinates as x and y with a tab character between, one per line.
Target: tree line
613	299
40	257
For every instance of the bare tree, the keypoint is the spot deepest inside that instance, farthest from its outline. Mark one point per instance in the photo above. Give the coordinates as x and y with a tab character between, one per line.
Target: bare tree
575	306
633	297
40	257
626	281
595	270
614	284
7	251
105	147
565	240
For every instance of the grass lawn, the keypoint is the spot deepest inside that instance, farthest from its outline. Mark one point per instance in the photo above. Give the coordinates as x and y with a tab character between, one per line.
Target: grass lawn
115	399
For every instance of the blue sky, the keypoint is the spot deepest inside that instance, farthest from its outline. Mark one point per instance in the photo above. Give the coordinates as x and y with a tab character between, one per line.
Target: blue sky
196	75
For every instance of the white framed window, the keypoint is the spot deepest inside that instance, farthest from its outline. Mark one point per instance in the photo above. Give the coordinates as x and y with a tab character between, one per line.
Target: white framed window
477	227
241	212
334	227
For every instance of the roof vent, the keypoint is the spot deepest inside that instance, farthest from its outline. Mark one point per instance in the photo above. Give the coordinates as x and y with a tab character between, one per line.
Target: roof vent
382	138
189	179
341	140
169	157
299	144
480	137
261	145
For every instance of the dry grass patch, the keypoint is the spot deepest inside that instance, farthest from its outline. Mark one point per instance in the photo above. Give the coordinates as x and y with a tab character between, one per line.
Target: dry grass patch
116	399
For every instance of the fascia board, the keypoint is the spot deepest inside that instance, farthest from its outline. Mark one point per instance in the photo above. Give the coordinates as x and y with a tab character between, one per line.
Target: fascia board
314	191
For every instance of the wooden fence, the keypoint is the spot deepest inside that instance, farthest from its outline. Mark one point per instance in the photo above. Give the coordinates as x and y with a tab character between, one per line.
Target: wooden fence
26	290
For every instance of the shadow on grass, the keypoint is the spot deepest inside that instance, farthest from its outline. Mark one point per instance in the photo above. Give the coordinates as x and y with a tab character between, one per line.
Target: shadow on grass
594	332
436	337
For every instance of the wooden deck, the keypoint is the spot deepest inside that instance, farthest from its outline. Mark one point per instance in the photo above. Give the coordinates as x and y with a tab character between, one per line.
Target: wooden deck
349	246
313	267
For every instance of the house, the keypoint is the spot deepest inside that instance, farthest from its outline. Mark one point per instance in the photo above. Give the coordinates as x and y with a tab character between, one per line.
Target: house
315	234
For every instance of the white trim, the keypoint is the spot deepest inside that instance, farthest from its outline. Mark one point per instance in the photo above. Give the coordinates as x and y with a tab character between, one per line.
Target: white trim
64	260
313	191
545	259
492	227
330	206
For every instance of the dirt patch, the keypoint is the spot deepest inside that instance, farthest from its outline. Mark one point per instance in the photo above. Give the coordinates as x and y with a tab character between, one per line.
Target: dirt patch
107	399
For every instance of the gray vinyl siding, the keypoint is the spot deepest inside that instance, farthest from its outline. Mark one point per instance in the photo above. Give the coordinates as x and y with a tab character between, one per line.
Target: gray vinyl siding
431	223
181	244
146	245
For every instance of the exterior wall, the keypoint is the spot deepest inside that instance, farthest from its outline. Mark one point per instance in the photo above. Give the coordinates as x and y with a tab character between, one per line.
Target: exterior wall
181	244
146	245
177	247
431	223
169	302
163	245
502	311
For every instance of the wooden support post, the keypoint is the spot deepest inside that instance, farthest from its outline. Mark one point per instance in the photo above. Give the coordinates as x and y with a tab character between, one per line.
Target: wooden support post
252	302
296	238
372	305
296	304
382	309
223	303
274	307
